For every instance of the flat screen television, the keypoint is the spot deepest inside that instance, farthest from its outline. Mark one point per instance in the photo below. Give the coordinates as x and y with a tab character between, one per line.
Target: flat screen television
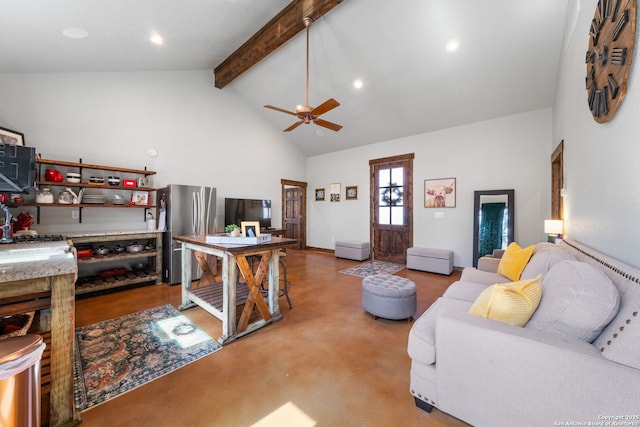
238	210
17	168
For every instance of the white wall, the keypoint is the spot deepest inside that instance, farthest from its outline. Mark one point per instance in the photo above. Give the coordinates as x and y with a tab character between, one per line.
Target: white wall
204	136
507	153
601	161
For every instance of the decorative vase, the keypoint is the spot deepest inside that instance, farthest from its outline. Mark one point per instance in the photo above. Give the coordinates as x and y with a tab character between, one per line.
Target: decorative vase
235	232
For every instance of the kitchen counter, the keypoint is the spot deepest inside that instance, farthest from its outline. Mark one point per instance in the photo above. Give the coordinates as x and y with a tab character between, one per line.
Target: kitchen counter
35	276
24	261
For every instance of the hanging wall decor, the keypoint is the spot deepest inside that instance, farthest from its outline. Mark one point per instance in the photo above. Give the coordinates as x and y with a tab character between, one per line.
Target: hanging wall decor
8	136
611	39
334	192
351	192
440	193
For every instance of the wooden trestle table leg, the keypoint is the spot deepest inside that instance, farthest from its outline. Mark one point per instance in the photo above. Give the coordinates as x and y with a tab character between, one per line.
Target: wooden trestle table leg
207	275
255	296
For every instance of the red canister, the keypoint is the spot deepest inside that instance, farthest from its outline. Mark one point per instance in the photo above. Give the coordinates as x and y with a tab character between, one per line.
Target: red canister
53	175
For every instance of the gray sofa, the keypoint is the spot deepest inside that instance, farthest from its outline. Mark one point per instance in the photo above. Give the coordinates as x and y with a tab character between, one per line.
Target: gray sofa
576	360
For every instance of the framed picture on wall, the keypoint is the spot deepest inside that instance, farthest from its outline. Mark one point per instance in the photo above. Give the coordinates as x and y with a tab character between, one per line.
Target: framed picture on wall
334	192
8	136
319	194
351	192
440	193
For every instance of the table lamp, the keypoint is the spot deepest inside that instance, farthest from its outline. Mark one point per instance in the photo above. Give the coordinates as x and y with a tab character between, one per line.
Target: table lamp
553	227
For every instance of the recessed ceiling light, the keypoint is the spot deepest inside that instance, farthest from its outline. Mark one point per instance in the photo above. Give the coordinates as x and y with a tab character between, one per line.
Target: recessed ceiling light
453	45
156	39
358	84
75	33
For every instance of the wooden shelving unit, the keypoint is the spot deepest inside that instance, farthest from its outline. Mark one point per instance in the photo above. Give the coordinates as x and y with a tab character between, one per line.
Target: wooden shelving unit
81	168
89	282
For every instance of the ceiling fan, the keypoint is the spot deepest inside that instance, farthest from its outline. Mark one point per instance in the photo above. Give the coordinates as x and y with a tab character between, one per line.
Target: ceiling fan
306	113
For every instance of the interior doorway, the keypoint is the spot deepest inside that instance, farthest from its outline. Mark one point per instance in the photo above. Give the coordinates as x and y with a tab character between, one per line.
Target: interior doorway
557	181
294	211
391	208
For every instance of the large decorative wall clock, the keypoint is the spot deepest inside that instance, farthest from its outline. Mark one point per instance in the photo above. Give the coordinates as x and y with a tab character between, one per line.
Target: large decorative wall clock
611	39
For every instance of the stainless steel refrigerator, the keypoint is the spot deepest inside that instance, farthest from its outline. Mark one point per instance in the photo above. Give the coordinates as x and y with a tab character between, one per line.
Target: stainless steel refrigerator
184	210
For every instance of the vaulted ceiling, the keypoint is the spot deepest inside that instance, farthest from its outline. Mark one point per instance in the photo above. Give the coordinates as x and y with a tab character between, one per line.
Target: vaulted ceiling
506	62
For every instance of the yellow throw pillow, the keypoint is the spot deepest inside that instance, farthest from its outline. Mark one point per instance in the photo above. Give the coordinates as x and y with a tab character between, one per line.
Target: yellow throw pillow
512	303
514	261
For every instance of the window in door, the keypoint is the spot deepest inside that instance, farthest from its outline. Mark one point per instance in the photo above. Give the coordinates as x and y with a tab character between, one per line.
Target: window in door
391	196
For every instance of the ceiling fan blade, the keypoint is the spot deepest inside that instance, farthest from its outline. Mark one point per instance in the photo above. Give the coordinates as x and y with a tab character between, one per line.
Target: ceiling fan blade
280	109
328	125
327	105
293	126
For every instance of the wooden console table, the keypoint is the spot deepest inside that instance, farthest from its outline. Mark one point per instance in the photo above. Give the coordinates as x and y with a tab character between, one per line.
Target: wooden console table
275	232
221	299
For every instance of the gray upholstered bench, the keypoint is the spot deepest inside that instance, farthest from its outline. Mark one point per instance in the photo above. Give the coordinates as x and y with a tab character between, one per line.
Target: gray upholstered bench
388	296
431	260
352	249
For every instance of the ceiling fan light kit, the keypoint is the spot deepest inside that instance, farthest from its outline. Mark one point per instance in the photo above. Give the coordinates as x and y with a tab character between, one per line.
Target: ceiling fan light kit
306	113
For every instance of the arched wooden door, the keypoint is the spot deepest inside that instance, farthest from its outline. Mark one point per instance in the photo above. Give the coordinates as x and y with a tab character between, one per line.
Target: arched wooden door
391	207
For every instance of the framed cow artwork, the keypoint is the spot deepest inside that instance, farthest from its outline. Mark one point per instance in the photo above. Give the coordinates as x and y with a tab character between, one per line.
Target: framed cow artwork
440	193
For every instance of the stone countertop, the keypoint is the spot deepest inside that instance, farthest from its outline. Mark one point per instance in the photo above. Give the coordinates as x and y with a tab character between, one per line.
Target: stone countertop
31	261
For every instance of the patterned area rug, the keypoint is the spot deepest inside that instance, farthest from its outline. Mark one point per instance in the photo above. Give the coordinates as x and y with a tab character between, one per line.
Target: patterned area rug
118	355
373	267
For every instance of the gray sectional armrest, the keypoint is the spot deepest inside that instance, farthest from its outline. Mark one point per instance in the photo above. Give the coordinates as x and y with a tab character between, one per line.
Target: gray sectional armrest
488	263
537	378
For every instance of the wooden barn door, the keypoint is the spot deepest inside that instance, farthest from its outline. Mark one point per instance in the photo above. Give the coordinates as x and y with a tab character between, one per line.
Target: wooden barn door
391	207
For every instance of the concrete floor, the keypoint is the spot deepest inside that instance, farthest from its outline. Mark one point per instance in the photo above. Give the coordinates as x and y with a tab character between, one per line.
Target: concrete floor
326	363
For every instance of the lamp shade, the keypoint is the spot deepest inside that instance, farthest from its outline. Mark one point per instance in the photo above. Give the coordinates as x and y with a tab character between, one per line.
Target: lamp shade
553	226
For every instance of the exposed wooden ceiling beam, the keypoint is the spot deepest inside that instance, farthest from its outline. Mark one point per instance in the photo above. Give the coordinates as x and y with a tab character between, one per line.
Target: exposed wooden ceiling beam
274	34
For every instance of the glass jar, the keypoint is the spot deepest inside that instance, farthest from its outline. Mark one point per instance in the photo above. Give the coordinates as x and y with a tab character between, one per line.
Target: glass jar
44	195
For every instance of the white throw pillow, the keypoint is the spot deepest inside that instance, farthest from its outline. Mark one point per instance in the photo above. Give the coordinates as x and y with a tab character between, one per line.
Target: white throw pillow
578	301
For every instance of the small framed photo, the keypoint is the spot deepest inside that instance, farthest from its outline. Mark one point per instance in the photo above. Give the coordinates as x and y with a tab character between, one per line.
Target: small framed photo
140	198
12	137
440	193
351	192
334	192
319	194
250	228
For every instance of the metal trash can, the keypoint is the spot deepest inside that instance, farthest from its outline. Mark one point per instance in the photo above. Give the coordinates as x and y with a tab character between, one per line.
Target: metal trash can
20	381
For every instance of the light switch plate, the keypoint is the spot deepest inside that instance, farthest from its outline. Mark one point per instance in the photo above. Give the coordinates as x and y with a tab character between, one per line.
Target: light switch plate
438	214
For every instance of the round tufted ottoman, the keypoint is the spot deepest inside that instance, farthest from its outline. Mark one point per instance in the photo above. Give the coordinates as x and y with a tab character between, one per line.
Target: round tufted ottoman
389	296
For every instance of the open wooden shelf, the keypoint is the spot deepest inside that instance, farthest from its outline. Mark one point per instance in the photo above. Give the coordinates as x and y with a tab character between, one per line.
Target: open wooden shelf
92	166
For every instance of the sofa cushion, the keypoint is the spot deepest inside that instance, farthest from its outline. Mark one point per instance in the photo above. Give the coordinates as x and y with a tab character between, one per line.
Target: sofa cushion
578	301
545	255
470	274
512	303
514	261
465	291
422	338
